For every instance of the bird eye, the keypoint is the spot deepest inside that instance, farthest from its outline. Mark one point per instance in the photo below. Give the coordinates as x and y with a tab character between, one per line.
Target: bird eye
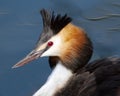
50	43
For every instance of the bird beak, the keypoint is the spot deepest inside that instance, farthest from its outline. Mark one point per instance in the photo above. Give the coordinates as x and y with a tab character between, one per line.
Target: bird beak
30	57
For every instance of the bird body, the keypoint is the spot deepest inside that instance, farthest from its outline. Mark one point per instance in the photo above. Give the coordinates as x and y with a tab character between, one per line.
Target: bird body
98	78
69	50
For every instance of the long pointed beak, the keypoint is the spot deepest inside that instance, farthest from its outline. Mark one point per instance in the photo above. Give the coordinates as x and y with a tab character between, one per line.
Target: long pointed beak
30	57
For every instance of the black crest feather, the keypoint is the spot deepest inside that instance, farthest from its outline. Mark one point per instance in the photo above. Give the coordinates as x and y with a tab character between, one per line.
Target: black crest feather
54	22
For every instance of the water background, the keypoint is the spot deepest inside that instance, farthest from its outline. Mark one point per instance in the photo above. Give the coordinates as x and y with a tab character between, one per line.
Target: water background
20	27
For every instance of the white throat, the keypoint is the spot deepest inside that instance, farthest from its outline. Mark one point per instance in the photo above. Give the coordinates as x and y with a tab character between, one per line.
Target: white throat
57	80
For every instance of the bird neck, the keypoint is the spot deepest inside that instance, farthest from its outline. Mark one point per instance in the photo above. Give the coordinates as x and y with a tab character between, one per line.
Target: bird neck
57	80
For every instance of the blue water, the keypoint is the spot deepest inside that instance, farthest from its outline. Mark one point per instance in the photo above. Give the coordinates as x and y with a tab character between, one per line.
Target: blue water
20	26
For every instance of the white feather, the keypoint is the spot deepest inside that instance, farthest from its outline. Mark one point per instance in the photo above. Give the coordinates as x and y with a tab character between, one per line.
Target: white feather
56	81
55	49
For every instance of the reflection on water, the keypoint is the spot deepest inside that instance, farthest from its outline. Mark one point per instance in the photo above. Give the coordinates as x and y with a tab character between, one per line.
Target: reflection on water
20	26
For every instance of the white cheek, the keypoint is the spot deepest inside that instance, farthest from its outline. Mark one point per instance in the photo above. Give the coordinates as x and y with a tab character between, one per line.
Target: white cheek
54	50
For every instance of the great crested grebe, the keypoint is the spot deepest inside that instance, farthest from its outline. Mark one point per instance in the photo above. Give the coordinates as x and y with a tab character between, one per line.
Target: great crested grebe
69	50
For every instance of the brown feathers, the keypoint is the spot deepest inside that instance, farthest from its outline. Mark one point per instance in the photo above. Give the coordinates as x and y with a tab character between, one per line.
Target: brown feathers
76	49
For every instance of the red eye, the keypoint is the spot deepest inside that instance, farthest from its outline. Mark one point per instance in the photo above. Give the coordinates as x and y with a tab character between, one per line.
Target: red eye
50	43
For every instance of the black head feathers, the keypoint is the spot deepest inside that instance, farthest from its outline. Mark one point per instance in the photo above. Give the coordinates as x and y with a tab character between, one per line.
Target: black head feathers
52	22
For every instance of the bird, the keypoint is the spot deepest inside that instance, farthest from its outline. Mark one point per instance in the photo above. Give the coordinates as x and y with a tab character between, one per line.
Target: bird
69	50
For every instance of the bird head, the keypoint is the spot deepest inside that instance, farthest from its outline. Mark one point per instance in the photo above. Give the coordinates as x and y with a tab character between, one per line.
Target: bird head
61	40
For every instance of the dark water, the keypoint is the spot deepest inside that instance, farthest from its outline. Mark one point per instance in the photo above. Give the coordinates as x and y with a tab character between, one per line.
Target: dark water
20	26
